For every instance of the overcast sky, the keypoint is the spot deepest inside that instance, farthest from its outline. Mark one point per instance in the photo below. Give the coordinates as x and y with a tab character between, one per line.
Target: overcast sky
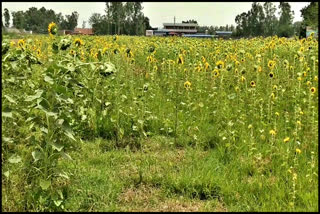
206	13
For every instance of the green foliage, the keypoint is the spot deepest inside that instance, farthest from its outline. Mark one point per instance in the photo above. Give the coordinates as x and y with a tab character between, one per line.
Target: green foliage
310	15
121	18
37	20
6	17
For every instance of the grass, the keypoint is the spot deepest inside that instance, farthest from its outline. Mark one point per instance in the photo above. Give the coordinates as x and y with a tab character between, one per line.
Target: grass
162	177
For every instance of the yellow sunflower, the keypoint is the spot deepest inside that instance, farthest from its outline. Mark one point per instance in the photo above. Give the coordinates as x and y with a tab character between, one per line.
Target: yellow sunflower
52	28
253	84
271	64
78	42
220	64
187	85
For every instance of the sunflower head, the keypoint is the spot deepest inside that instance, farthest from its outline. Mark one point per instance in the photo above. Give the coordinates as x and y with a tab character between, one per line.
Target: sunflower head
272	132
313	90
271	64
187	85
215	73
78	42
286	139
220	64
52	28
253	84
180	59
21	43
271	74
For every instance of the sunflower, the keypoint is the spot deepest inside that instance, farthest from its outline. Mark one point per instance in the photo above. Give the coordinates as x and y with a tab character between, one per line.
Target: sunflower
253	84
313	90
187	85
286	139
271	64
286	64
78	42
21	42
298	151
215	73
275	87
206	65
180	59
243	78
272	132
271	74
220	64
52	28
308	83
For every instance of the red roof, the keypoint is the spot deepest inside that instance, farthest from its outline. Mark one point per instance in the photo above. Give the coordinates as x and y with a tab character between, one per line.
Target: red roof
85	31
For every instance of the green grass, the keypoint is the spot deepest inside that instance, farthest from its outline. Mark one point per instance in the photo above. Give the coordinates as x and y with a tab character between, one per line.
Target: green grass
161	177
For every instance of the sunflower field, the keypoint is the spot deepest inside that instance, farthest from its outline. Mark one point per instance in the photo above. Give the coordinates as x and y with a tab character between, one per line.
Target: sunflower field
244	113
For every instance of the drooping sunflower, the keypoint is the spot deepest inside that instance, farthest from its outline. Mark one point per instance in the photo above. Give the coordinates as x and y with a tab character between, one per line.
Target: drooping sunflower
286	139
52	28
180	59
286	64
78	42
187	85
21	43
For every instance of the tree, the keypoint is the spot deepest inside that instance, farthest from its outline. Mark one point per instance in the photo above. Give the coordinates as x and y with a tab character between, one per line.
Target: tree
310	15
98	24
18	19
6	17
271	20
285	28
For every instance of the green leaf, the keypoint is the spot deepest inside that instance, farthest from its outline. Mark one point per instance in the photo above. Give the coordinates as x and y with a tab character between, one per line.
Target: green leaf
48	79
10	99
7	173
66	156
57	202
69	134
36	155
45	184
7	114
57	147
36	96
15	159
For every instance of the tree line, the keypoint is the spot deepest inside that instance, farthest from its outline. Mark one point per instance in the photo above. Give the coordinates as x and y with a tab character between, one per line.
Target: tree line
38	20
261	20
120	18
